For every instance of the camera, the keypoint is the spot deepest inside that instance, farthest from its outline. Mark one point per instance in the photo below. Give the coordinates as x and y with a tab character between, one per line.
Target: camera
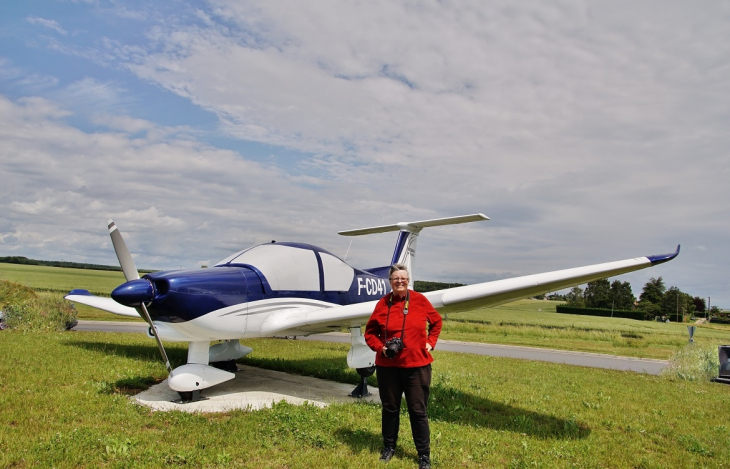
393	347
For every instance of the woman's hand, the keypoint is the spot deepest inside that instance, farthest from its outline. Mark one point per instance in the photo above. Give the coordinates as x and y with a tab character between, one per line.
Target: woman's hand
428	347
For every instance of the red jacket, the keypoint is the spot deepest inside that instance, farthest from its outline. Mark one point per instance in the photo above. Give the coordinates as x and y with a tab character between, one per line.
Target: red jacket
420	315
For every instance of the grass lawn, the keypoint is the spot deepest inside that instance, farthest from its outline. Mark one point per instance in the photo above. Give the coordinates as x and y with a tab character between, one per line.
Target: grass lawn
63	404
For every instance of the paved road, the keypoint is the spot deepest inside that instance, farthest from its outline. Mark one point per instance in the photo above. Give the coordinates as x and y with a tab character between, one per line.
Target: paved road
593	360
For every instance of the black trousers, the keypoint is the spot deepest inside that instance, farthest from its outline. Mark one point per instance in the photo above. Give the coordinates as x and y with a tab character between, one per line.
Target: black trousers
415	384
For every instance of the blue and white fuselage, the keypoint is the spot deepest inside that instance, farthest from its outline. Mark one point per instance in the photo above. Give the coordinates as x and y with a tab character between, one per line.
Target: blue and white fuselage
235	298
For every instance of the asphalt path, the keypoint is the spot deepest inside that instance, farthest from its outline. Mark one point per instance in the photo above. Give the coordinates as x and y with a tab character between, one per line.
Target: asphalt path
592	360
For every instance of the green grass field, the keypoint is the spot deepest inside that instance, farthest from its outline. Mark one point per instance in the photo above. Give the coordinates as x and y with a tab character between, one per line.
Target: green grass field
534	323
63	399
62	280
63	404
58	281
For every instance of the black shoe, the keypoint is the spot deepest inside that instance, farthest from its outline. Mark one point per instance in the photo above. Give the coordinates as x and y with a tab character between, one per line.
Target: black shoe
387	454
424	461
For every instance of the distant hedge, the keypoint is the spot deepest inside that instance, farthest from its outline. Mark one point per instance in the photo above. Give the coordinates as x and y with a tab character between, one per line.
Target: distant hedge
423	286
74	265
640	315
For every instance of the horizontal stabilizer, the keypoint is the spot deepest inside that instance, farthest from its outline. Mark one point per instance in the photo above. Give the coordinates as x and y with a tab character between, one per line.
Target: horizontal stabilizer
416	225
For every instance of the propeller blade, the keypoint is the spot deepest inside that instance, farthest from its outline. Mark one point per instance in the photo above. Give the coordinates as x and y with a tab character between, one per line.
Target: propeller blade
125	258
130	273
146	315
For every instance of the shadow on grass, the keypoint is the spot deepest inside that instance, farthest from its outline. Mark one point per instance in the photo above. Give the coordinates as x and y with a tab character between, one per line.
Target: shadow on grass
148	353
446	403
134	384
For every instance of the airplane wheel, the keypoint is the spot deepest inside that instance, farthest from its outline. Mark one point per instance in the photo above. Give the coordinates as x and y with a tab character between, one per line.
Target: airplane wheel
366	372
362	389
229	366
188	396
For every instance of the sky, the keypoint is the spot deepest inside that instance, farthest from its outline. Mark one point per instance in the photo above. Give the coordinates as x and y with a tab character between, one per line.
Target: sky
587	131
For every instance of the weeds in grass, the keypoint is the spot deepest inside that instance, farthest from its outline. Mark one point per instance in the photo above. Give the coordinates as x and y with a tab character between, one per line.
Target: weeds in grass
14	293
40	314
693	363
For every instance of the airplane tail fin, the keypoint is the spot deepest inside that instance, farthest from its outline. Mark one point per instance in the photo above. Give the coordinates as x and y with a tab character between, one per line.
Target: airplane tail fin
405	246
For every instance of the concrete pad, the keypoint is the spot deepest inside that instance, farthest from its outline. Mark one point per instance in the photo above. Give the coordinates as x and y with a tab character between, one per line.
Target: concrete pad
254	389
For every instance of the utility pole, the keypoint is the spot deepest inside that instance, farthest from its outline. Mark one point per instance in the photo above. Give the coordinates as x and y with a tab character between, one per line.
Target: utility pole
707	310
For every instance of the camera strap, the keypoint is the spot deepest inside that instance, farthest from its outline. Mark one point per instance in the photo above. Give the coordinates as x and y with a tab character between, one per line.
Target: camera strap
405	313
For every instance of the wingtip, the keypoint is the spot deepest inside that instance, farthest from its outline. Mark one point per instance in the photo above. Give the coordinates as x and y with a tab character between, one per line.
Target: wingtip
661	258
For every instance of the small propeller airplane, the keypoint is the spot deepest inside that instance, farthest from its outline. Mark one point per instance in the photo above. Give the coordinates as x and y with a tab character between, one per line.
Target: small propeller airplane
289	289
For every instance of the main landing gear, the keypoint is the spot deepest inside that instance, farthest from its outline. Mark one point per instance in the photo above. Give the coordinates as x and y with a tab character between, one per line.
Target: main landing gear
362	389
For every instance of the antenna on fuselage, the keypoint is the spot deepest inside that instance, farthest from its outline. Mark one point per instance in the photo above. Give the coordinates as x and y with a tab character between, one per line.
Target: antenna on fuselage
348	251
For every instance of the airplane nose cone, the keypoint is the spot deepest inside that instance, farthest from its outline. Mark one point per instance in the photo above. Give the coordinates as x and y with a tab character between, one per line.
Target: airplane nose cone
134	293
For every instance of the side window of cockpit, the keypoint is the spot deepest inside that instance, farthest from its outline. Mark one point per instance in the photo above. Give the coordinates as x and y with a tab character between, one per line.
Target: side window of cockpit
337	275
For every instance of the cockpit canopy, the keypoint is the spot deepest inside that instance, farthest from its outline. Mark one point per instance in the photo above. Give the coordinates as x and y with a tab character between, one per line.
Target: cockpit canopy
295	267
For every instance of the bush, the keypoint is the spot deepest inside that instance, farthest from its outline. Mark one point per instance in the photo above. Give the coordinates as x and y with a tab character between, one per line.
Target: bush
14	293
40	314
694	363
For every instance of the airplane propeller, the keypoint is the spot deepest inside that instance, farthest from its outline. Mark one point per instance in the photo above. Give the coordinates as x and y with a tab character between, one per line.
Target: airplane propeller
135	288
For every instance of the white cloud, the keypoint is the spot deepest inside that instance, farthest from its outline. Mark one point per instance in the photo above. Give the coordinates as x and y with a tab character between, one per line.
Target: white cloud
587	133
50	24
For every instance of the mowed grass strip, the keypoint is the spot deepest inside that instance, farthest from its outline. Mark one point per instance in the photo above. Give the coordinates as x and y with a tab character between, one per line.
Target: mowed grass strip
64	403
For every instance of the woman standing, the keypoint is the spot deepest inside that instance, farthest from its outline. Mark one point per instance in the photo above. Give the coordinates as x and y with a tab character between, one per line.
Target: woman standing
403	329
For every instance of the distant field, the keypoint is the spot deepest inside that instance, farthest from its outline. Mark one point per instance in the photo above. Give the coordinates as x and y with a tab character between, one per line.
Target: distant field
535	323
532	323
58	281
62	279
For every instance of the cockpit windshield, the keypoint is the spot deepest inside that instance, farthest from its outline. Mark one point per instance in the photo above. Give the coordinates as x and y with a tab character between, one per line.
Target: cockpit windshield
295	267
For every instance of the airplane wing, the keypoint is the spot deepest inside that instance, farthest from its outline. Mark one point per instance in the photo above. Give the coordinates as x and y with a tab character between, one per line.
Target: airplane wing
462	298
503	291
99	302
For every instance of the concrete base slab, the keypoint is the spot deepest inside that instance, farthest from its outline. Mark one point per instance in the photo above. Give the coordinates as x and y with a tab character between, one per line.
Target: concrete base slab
254	389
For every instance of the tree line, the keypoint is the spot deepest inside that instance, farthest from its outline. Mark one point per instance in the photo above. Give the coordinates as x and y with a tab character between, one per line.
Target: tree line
656	300
73	265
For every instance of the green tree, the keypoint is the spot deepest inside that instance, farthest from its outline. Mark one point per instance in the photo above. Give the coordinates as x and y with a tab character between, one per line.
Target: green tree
675	302
653	291
700	305
621	295
652	310
575	298
598	294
